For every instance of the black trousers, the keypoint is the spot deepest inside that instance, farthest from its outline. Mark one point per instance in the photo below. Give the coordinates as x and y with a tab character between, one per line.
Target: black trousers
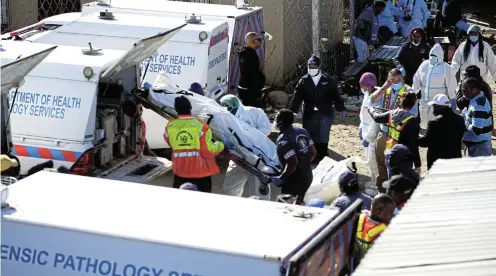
250	97
204	184
298	184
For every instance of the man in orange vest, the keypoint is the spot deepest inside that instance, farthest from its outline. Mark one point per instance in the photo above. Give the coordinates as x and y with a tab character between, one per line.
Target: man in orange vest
193	148
403	128
372	223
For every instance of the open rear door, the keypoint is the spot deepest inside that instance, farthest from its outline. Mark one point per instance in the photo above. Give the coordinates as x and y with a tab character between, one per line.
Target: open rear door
139	169
13	73
141	50
12	76
328	253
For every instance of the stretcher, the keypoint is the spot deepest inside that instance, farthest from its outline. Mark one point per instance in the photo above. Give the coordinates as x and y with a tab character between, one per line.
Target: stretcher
250	149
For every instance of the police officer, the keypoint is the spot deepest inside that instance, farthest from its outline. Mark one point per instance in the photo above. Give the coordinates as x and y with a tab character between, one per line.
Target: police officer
296	151
193	148
319	92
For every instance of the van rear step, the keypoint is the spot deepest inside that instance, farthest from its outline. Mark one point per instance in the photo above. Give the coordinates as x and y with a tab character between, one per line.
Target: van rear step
142	169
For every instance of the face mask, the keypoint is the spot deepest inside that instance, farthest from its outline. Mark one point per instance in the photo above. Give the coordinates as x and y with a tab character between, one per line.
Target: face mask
397	86
474	38
415	43
313	72
364	91
433	60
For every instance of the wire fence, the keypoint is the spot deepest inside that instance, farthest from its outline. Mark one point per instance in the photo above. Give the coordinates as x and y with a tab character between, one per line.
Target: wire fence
299	28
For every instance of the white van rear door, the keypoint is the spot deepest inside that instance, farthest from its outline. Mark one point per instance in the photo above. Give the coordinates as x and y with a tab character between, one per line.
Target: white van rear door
140	51
14	72
142	169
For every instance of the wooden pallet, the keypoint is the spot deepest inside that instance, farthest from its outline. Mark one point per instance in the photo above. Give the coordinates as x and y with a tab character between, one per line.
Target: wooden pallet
384	53
354	70
397	41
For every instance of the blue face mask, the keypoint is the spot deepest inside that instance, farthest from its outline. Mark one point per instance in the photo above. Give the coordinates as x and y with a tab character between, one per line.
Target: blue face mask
474	38
433	60
397	86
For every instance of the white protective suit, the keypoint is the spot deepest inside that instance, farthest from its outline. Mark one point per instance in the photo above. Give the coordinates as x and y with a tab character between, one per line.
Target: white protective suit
488	66
419	13
433	80
370	130
236	176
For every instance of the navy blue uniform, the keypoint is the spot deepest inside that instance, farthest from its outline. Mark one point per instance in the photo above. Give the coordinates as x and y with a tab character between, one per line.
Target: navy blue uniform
296	141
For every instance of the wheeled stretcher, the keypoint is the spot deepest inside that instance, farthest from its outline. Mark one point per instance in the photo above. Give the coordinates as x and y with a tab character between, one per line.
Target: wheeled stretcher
251	149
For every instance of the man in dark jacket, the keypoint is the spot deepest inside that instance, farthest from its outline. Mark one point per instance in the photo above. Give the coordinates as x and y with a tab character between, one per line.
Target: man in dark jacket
366	31
403	128
252	78
399	161
452	15
319	92
443	138
411	54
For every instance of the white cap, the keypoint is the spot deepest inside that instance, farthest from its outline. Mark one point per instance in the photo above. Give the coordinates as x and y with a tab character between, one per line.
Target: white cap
441	100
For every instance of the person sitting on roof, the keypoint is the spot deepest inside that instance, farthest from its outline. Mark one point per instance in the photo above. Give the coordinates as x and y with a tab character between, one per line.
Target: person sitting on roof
400	188
372	224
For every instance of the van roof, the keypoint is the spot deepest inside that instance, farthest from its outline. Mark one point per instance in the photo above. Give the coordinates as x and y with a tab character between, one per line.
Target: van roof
135	27
61	19
67	59
163	215
179	7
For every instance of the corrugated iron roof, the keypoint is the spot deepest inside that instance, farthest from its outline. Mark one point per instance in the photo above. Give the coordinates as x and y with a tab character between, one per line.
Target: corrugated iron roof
447	226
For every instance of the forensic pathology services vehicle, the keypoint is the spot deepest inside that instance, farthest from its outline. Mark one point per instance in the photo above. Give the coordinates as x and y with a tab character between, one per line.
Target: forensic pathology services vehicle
75	108
114	228
197	53
240	20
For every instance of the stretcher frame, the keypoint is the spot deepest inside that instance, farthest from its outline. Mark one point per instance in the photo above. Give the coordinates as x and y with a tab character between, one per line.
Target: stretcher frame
170	114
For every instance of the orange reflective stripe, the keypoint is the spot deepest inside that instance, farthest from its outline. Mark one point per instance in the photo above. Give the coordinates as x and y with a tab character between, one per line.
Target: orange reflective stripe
368	232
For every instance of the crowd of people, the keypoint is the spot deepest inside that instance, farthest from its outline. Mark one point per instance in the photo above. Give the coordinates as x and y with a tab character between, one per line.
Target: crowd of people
425	102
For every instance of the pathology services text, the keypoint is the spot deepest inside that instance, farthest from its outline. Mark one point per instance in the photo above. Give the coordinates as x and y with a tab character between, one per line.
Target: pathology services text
82	264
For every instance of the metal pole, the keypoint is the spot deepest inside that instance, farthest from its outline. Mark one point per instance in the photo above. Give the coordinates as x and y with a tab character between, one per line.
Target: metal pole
352	26
316	27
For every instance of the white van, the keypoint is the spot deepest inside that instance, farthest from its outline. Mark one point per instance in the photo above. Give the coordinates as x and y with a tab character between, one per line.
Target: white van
240	21
104	227
70	110
197	53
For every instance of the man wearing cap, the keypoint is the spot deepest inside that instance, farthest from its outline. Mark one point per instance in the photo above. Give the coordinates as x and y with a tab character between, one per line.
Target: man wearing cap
475	51
350	189
320	94
193	148
252	78
400	188
443	138
399	160
366	31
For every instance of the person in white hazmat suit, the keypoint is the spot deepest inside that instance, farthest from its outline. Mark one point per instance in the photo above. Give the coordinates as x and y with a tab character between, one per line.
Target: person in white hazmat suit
415	15
475	51
368	129
236	176
433	77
